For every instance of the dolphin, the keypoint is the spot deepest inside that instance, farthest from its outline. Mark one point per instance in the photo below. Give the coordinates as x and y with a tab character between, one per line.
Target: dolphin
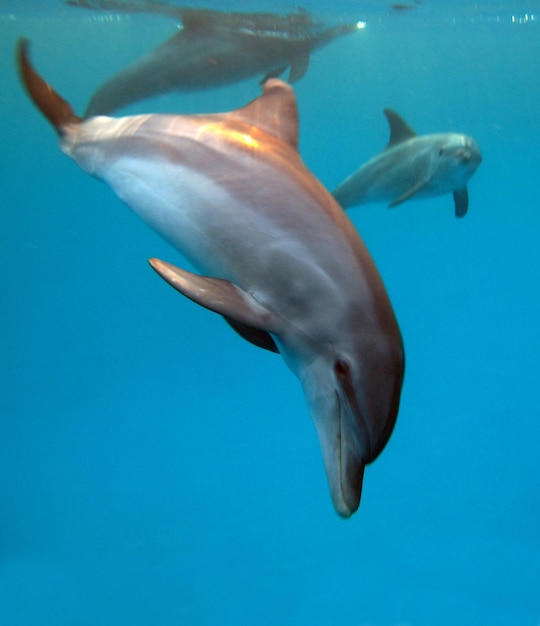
213	48
279	258
414	166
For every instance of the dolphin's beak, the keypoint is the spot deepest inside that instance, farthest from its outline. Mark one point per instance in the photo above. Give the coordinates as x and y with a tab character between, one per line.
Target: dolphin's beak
470	152
354	452
342	456
354	410
352	428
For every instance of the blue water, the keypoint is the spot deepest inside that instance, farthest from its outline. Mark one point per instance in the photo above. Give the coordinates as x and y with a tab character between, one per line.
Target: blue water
157	470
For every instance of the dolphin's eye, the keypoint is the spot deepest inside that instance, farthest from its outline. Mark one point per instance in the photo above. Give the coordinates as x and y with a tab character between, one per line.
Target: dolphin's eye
342	370
441	151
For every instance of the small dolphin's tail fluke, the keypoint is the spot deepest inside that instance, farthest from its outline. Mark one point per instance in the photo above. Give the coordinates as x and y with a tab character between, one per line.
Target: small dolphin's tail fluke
51	104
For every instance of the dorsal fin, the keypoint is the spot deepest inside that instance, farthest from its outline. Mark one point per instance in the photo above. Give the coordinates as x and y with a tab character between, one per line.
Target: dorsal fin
274	112
399	129
197	22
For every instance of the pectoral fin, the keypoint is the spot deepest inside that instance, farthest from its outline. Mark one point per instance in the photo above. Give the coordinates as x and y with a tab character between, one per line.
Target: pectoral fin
461	201
299	67
243	312
408	194
272	74
256	336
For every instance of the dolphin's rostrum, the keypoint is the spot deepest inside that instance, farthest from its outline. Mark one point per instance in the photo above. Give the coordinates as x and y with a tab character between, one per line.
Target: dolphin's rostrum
414	166
282	261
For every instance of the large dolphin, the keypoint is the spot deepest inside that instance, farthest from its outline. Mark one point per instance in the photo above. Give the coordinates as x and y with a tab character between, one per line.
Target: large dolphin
212	48
414	166
285	265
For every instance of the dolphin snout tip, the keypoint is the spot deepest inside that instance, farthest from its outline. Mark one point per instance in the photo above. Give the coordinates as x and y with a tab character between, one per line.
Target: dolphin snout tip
347	504
471	151
470	154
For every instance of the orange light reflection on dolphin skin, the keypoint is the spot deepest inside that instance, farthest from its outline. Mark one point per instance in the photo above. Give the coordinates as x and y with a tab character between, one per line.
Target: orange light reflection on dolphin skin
230	134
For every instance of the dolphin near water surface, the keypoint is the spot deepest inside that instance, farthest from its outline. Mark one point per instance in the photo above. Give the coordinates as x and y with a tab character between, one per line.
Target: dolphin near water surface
281	260
414	166
213	48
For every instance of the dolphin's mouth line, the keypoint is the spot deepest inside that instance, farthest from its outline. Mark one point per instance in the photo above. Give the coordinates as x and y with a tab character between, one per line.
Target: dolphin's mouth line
361	422
340	443
344	377
463	154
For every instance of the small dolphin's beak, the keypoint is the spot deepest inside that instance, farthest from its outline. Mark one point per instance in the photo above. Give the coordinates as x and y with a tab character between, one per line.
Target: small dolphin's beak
469	152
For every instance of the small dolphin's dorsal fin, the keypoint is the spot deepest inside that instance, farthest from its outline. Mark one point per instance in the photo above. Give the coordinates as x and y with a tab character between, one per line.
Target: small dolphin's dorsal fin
399	129
274	112
299	66
244	313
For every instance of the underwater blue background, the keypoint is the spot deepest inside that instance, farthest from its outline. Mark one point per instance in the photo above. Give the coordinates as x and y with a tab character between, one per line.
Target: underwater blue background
156	469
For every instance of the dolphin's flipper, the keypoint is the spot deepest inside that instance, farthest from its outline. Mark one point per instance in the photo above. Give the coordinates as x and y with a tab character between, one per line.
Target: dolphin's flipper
399	129
249	318
299	67
409	193
461	201
256	336
273	74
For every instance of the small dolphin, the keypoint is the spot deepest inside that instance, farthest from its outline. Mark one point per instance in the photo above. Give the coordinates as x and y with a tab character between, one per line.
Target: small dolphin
414	166
213	48
286	267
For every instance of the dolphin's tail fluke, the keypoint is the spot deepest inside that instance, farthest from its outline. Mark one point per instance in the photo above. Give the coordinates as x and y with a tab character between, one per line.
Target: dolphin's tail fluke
51	104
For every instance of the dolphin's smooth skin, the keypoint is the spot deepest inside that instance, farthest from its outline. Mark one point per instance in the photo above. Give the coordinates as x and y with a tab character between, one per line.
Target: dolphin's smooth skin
414	166
282	261
213	48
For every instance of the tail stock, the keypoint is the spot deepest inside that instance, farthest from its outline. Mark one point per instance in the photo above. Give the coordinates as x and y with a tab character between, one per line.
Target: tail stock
48	101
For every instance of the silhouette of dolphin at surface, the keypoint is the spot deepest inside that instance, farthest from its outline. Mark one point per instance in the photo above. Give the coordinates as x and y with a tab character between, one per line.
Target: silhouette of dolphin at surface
414	166
285	265
213	48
